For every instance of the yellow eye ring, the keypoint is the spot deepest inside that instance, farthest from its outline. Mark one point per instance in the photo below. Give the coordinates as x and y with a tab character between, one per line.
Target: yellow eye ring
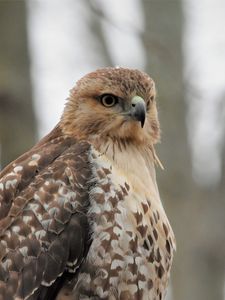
108	100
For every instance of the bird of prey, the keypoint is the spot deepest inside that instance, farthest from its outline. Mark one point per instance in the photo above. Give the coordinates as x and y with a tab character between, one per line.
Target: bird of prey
80	213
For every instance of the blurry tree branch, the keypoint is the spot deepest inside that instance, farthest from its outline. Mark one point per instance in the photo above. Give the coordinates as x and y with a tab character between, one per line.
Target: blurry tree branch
99	12
95	27
130	28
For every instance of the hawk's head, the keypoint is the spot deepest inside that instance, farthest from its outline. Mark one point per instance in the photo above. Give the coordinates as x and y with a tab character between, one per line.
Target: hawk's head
115	103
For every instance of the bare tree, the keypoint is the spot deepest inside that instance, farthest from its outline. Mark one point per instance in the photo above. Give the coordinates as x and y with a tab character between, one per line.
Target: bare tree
17	121
197	214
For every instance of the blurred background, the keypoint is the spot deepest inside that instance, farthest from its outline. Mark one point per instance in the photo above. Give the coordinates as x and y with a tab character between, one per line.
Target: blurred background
47	45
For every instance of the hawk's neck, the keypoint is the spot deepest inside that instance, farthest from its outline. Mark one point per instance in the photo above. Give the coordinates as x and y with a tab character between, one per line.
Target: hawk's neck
134	161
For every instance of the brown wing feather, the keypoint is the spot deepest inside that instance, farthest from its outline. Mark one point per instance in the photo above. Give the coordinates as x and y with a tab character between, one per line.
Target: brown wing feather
43	227
21	172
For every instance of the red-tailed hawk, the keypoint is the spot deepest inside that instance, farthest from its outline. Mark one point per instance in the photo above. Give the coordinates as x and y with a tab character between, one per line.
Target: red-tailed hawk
80	212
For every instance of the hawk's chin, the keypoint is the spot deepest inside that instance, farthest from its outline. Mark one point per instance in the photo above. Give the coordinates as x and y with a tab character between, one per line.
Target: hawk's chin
131	130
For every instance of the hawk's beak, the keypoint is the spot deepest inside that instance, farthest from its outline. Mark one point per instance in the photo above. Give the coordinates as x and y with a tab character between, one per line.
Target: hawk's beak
138	110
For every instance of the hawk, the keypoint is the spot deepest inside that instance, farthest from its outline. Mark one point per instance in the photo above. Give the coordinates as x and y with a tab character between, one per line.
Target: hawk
80	214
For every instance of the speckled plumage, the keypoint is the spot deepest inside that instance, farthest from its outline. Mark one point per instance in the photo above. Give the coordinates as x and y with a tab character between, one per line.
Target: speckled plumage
80	214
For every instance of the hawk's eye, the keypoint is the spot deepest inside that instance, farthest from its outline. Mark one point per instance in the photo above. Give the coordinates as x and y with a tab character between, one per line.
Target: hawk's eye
108	100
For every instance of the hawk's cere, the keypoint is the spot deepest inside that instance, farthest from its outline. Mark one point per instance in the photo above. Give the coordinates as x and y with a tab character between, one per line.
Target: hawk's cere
80	214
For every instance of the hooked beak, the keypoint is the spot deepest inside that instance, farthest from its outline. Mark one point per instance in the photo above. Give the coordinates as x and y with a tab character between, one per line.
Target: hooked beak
138	110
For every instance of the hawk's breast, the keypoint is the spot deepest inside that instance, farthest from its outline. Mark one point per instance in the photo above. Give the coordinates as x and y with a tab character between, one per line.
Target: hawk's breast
131	252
